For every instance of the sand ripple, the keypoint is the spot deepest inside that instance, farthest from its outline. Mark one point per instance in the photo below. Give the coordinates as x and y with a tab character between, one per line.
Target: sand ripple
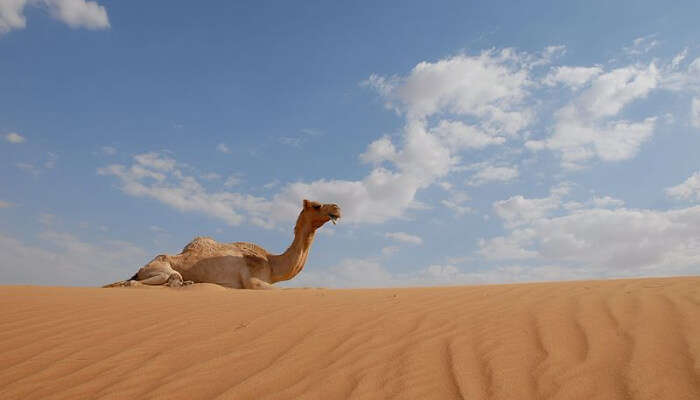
623	339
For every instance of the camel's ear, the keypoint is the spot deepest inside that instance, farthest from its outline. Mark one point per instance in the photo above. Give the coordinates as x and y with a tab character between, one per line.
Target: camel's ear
306	204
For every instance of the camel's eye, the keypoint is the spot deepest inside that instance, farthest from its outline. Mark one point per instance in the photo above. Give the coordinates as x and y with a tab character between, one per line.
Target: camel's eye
317	207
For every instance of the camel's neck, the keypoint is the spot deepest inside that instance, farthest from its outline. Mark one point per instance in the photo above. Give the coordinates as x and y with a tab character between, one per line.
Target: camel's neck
288	264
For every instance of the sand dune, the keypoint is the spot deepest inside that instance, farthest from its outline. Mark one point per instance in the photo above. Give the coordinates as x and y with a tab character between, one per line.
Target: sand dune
622	339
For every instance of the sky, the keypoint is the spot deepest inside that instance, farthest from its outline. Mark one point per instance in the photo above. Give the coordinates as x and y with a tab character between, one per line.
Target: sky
466	142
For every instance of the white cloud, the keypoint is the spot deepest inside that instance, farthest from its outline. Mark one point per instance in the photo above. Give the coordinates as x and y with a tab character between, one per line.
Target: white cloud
607	201
108	150
423	156
695	112
490	173
74	13
15	138
386	192
688	190
518	210
379	196
451	106
64	259
291	141
50	163
11	16
470	102
210	176
389	250
456	202
445	185
350	272
449	85
573	205
609	242
232	180
585	128
271	184
383	86
458	136
574	77
687	80
508	247
641	45
223	148
155	161
379	151
404	237
156	176
311	132
368	273
46	219
678	59
299	140
79	13
28	168
490	86
35	169
694	68
612	91
631	241
547	56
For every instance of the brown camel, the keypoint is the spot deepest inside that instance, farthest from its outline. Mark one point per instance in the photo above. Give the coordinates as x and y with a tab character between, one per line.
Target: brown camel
240	264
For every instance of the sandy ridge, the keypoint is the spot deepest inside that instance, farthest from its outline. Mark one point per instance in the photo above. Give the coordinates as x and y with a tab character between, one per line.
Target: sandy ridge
620	339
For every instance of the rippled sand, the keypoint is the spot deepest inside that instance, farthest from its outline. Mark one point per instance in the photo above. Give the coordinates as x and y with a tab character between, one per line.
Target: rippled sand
622	339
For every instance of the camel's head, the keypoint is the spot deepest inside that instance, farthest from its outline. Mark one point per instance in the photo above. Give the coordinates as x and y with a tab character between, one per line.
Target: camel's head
318	214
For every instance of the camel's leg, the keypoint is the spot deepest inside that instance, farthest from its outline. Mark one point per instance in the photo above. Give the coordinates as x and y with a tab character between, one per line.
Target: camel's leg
156	272
160	279
159	272
251	282
260	284
121	284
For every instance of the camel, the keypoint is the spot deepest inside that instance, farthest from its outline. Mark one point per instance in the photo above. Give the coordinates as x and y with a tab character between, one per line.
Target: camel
238	265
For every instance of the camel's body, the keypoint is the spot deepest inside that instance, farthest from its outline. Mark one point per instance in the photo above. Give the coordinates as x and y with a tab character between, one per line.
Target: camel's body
240	264
206	260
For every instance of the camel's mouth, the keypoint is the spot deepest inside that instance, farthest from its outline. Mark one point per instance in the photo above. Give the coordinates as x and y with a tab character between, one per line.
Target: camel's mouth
334	217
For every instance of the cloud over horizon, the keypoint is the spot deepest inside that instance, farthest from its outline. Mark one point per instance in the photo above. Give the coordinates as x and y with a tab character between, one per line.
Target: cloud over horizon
74	13
483	164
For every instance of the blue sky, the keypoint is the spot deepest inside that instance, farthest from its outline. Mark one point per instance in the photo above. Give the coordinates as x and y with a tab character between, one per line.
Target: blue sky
466	142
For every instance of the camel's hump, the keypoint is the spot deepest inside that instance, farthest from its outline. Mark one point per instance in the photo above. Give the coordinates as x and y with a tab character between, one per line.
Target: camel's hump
251	249
201	244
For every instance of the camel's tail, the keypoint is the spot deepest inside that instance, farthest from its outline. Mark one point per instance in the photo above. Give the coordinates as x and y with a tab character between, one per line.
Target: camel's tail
123	283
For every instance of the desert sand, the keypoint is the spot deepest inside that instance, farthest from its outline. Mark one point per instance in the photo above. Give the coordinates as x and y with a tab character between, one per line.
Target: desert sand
616	339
